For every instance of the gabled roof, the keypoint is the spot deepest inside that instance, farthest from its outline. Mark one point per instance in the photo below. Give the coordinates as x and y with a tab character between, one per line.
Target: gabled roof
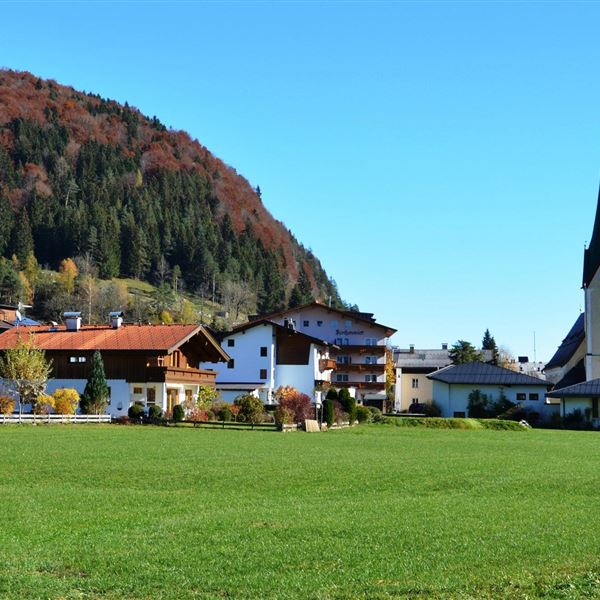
591	256
585	389
433	358
252	324
127	338
569	345
573	376
357	316
478	373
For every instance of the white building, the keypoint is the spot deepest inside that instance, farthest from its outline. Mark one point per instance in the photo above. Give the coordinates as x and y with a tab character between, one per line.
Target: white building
265	355
361	343
452	386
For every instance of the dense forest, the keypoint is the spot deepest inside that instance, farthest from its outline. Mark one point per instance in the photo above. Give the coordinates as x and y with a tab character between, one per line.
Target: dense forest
95	181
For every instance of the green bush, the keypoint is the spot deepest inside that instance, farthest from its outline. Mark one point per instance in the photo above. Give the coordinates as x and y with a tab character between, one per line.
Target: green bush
363	414
332	394
377	415
154	412
225	414
348	404
284	416
178	413
432	409
136	411
251	408
328	411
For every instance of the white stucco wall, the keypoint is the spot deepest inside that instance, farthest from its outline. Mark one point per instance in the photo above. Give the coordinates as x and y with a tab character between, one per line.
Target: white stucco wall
247	359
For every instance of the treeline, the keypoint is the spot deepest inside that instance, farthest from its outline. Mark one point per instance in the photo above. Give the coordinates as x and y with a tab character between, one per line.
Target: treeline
100	202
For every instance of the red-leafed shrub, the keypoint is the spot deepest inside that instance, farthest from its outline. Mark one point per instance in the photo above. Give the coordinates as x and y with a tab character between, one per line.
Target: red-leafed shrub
197	414
298	404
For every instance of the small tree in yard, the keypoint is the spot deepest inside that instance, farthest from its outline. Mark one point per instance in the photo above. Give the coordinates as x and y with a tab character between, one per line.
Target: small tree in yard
7	405
251	409
25	369
332	394
95	395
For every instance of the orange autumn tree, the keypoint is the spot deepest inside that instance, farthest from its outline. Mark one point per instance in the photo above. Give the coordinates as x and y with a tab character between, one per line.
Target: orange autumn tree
67	274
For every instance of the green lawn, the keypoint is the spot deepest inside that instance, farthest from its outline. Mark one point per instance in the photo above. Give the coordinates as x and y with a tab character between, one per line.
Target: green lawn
373	512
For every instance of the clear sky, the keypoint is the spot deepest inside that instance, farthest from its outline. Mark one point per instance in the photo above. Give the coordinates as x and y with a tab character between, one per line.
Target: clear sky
442	159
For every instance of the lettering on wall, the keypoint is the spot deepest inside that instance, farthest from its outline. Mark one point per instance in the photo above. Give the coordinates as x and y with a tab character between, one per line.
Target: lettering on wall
348	332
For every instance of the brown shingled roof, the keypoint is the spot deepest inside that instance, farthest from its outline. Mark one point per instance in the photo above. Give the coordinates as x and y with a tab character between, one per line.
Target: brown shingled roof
150	338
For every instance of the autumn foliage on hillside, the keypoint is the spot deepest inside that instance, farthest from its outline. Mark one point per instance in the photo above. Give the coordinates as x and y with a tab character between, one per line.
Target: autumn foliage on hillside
93	175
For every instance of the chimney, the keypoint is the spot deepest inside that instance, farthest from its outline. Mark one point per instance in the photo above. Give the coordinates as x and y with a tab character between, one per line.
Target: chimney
444	346
412	348
73	320
116	319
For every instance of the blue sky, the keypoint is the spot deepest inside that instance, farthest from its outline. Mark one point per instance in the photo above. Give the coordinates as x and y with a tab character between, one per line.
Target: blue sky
442	159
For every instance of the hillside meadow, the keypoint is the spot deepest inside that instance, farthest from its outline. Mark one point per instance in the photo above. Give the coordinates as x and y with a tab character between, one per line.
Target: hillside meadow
373	512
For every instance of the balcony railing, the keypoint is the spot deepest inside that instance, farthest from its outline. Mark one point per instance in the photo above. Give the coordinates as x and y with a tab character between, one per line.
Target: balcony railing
361	385
175	374
359	368
325	364
360	349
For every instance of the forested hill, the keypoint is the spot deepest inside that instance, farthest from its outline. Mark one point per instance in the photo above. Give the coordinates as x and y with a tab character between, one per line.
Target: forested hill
85	176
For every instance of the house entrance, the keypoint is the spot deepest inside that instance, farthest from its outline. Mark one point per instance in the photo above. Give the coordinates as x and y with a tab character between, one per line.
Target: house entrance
172	398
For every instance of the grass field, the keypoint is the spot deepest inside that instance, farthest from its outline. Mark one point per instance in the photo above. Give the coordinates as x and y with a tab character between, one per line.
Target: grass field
373	512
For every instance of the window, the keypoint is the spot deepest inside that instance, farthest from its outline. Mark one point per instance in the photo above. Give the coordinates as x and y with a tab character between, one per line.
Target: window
334	323
188	396
305	323
415	382
341	377
263	350
151	396
347	323
319	323
534	396
346	342
371	378
176	359
343	360
231	363
594	408
370	360
138	390
230	343
371	342
77	359
341	341
263	374
521	397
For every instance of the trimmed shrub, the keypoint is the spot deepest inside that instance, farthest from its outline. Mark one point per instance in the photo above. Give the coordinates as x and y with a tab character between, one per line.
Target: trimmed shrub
198	414
178	413
363	414
432	409
328	411
135	412
43	405
251	409
377	414
154	412
7	405
284	416
348	404
332	394
66	401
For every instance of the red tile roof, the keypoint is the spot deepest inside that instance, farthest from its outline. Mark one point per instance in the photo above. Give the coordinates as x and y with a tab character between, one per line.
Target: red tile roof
153	338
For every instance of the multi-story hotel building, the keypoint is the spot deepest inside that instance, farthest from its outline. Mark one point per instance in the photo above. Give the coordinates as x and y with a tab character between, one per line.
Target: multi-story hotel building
362	342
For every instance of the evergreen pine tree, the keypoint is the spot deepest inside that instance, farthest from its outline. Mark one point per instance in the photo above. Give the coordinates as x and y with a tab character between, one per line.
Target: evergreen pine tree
95	395
302	291
489	343
21	241
7	218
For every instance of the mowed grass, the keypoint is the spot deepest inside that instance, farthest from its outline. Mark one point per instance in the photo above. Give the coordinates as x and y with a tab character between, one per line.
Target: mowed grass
372	512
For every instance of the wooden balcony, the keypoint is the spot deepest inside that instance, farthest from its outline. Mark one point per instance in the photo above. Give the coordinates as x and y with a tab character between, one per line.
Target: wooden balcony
177	375
353	349
361	385
359	368
326	364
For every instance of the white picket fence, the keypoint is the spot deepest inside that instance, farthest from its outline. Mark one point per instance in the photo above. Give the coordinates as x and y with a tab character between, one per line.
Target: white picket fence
35	419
